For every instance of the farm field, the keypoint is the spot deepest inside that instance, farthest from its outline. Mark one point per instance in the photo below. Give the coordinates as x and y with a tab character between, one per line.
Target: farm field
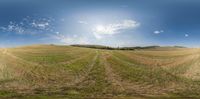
65	72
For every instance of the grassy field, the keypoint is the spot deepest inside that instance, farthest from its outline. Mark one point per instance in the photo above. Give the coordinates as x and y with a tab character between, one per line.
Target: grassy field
65	72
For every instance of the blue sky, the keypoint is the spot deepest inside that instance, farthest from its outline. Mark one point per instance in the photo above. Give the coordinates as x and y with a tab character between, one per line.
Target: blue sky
104	22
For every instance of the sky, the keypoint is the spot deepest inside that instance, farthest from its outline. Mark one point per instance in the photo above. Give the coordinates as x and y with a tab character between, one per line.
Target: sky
102	22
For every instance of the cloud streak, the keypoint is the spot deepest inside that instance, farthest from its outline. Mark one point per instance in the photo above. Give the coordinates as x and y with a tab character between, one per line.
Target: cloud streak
114	28
158	31
83	22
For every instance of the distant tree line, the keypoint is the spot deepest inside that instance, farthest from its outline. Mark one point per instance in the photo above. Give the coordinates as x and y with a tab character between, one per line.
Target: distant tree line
94	46
121	48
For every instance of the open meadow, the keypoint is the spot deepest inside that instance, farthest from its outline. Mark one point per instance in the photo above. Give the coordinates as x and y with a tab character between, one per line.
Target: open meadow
65	72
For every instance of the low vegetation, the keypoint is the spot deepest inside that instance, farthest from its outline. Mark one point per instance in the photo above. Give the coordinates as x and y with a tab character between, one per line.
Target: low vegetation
60	72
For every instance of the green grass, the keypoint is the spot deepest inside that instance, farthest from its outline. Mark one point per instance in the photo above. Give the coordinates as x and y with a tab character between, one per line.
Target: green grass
65	72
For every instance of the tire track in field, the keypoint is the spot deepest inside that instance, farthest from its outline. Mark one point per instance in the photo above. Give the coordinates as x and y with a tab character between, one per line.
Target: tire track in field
166	54
6	52
111	76
74	60
23	71
36	65
25	63
2	64
193	72
28	68
81	78
140	60
116	80
141	89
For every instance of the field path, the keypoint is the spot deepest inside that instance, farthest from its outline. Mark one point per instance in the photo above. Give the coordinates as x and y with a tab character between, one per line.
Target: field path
74	60
194	70
126	86
81	78
99	73
112	77
6	52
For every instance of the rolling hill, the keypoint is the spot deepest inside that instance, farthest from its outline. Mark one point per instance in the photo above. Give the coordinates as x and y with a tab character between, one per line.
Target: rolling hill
60	72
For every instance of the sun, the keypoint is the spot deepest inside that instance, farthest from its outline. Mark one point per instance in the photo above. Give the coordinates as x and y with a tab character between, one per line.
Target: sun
100	28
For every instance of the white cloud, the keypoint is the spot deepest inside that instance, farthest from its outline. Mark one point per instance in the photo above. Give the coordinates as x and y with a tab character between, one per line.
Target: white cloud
57	33
186	35
158	31
40	25
13	27
83	22
114	28
29	25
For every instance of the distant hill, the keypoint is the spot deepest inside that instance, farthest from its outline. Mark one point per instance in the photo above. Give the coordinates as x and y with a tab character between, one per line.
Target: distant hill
129	48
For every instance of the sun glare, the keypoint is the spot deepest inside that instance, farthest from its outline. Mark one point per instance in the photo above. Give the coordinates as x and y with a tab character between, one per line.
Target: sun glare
100	28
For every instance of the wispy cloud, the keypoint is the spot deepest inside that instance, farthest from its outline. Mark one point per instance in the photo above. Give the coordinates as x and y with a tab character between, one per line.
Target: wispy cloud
13	27
114	28
29	25
82	22
158	31
74	39
41	25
